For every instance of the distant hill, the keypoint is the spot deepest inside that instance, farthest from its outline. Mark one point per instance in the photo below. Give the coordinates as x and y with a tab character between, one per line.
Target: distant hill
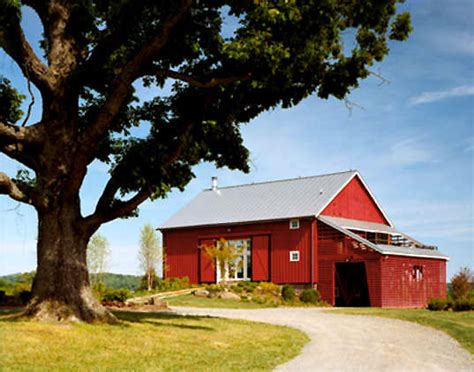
115	281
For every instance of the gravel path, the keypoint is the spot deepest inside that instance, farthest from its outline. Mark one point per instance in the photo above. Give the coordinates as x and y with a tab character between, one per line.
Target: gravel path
342	342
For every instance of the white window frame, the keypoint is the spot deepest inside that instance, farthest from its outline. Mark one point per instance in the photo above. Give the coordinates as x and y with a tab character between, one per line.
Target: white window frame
295	259
297	224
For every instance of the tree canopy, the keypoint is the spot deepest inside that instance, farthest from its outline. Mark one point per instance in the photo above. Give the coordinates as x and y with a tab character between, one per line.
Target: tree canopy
211	66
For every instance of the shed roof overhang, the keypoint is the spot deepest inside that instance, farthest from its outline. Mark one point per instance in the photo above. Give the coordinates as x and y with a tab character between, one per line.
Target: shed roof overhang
343	225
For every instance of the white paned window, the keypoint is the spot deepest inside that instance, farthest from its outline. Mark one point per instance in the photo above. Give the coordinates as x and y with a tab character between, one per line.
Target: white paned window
294	224
294	256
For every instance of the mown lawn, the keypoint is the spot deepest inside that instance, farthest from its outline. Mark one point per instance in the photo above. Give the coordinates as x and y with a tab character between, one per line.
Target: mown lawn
193	301
459	325
147	341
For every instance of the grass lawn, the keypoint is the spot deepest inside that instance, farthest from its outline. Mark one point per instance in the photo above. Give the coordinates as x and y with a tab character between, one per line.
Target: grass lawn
459	325
147	341
193	301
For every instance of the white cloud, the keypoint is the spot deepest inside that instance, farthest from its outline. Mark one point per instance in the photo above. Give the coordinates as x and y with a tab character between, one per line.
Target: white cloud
409	152
434	96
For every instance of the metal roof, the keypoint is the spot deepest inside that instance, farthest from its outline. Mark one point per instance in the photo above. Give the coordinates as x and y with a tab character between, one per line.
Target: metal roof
390	250
283	199
362	225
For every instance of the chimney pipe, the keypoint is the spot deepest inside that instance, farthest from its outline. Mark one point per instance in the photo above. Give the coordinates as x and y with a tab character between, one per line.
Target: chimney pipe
214	183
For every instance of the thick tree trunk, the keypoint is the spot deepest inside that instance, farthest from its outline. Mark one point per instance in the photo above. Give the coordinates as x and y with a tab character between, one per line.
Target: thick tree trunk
61	290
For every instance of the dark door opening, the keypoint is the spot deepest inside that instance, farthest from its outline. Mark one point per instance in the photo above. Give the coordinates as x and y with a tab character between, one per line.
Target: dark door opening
351	284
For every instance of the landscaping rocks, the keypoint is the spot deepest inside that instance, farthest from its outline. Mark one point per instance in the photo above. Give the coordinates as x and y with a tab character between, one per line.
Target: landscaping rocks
201	293
229	296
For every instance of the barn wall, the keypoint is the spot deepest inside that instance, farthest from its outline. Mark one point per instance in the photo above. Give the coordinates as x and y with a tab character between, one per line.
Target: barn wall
334	247
355	202
400	288
182	249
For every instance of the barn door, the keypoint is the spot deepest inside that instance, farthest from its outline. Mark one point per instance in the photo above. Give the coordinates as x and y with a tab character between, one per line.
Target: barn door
207	271
261	258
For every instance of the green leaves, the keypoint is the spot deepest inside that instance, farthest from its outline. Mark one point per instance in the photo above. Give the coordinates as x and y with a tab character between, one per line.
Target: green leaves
10	102
401	27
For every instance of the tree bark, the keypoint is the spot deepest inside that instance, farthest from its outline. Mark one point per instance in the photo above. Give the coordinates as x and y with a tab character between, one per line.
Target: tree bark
61	289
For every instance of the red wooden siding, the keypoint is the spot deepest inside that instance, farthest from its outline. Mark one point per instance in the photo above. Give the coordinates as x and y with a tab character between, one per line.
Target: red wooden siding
400	287
260	258
355	202
334	247
207	270
282	240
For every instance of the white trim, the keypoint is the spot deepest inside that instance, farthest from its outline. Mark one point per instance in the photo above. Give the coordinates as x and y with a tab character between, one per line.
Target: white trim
294	259
356	173
414	255
297	224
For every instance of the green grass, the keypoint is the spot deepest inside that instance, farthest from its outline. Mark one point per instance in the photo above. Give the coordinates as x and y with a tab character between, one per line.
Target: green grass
147	341
459	325
193	301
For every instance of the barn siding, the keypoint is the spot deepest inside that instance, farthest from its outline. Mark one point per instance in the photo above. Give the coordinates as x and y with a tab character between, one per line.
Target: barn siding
261	258
355	202
182	248
334	247
401	289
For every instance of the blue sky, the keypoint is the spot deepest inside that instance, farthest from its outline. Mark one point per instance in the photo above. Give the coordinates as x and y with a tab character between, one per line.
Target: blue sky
412	139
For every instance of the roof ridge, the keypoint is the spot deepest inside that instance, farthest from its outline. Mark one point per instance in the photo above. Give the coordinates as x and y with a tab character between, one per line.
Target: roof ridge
284	180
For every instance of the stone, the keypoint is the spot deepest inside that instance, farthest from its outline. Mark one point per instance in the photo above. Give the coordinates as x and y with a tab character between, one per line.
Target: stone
229	296
201	293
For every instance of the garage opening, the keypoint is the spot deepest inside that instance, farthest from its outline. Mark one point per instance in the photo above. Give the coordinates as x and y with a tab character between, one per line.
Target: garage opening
351	284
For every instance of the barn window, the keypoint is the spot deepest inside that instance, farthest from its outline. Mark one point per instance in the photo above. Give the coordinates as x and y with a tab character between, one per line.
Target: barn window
417	273
294	256
294	224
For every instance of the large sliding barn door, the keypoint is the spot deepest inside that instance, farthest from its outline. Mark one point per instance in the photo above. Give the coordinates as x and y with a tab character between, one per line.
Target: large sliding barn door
207	271
261	258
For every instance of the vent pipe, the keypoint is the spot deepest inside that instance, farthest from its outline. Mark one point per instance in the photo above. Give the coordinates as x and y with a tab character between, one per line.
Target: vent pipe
214	183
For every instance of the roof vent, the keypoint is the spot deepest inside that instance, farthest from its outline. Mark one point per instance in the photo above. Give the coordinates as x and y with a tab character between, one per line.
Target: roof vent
321	192
214	183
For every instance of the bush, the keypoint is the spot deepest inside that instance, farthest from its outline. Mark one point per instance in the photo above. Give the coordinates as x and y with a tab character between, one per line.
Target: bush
309	296
288	292
119	295
461	283
463	304
25	296
269	288
248	286
438	304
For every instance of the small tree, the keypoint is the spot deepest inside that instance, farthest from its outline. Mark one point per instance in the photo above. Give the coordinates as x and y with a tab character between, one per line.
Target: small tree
149	254
461	283
98	252
223	254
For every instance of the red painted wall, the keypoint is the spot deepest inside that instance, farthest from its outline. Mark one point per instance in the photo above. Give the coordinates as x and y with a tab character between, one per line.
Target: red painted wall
355	202
182	252
401	289
261	258
334	247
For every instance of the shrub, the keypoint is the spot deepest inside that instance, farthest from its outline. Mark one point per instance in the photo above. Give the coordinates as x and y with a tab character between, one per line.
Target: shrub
2	297
309	296
119	295
438	304
461	283
248	286
465	304
269	288
288	292
25	296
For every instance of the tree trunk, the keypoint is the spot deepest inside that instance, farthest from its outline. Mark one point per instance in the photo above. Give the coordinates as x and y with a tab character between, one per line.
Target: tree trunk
61	289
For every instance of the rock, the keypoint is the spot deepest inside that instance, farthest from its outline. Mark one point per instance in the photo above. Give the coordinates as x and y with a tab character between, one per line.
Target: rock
201	293
229	296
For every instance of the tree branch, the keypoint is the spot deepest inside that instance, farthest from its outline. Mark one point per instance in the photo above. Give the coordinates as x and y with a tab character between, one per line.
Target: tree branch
212	83
122	84
13	41
13	190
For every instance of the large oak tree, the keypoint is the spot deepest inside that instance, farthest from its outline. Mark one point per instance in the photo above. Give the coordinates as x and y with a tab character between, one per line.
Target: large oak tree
208	79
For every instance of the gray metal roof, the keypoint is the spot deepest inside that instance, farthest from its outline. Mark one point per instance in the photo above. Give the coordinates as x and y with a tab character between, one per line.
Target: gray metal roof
391	250
299	197
362	225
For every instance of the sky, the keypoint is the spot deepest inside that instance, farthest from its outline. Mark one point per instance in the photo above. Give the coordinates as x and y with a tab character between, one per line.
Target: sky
410	135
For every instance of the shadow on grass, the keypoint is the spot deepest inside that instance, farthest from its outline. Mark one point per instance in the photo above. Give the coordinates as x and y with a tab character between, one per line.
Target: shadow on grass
152	318
11	314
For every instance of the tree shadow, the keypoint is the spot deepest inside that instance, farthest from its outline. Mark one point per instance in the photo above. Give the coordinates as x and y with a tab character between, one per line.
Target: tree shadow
153	318
12	314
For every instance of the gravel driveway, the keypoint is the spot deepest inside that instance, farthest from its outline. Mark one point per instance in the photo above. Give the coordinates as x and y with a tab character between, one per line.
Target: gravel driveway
342	342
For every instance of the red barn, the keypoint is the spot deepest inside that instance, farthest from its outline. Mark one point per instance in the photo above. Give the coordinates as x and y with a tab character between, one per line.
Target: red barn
326	231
